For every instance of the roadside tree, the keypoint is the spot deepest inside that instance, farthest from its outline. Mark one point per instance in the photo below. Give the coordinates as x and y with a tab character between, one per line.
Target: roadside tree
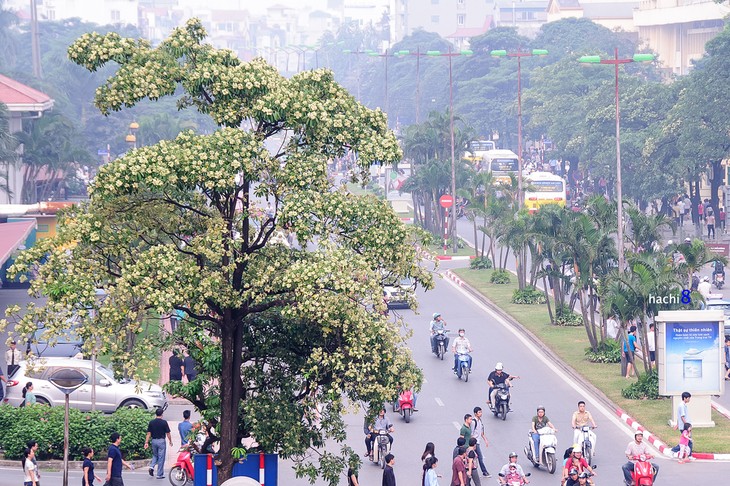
286	334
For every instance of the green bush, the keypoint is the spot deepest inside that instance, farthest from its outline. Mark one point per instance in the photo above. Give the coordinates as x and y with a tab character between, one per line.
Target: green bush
564	316
528	295
500	277
481	263
609	351
645	388
86	429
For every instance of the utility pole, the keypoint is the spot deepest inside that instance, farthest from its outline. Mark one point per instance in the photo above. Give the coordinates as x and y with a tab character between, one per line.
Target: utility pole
35	41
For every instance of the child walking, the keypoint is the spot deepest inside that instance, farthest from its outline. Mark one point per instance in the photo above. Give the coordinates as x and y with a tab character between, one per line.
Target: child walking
684	443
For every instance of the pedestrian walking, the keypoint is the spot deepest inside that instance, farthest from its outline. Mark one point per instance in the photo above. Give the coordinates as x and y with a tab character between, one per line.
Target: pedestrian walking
465	431
458	468
88	467
629	349
388	472
472	476
12	357
115	462
176	366
430	477
684	443
710	219
682	419
429	451
33	445
460	442
2	387
721	219
184	428
189	367
157	430
477	432
28	395
29	478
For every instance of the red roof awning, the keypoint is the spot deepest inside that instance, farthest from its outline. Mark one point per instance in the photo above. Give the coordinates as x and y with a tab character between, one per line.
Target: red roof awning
19	97
12	235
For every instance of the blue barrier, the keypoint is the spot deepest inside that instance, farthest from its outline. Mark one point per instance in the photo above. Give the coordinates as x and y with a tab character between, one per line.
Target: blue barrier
248	468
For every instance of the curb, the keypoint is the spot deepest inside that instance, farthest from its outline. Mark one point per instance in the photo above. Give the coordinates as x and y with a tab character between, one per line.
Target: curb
454	258
720	409
665	450
655	441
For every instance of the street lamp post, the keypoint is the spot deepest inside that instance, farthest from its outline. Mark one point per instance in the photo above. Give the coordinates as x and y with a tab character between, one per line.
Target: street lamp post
386	56
519	55
131	137
67	380
450	55
619	194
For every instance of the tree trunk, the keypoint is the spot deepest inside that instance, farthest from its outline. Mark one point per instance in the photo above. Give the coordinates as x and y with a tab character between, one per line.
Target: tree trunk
476	241
715	183
230	390
545	287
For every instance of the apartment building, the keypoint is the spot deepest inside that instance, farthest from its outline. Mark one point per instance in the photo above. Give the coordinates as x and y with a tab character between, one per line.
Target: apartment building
679	29
527	16
612	14
102	12
456	20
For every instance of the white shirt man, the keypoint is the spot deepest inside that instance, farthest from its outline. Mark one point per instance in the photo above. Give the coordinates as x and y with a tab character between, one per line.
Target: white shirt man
705	288
612	327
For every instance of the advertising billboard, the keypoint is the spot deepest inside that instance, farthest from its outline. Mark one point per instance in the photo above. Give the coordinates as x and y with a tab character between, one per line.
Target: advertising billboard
690	352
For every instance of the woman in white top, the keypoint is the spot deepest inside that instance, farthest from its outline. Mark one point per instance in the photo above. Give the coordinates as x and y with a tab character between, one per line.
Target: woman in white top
430	478
28	468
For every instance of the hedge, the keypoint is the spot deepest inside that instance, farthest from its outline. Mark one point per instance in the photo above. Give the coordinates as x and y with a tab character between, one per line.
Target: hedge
86	429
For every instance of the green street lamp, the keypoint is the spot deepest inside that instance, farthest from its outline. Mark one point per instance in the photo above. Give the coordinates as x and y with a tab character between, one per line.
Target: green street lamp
619	194
519	55
450	54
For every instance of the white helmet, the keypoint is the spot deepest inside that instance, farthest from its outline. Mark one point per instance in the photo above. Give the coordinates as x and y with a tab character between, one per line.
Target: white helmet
670	242
499	366
705	279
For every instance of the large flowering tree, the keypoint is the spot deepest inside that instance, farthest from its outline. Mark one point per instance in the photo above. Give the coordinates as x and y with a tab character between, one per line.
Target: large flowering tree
286	337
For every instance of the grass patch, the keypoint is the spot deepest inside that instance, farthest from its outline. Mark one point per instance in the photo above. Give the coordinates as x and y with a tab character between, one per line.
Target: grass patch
570	342
437	248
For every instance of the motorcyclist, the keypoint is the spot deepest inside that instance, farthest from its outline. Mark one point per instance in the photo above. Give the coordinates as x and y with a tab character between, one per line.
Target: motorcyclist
637	448
538	422
576	461
461	345
718	269
381	423
497	377
705	288
572	479
437	324
504	473
580	419
583	479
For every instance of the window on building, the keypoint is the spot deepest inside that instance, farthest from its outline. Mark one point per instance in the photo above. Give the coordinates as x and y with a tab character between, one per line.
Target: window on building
51	14
116	16
460	19
460	2
435	19
434	2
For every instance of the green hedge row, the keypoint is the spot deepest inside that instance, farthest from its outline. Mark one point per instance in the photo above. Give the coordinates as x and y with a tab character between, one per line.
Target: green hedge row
86	429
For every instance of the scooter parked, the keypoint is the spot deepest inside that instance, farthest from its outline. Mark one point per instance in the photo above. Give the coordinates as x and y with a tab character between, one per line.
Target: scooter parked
548	445
183	472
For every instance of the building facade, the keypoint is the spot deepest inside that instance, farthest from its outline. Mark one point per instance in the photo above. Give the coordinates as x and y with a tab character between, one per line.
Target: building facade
456	20
679	29
612	14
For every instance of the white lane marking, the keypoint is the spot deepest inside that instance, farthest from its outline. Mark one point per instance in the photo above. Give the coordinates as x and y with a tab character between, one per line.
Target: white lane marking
439	402
533	349
457	425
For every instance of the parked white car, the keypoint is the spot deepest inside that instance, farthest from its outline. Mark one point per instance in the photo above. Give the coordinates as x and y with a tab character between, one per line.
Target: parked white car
111	393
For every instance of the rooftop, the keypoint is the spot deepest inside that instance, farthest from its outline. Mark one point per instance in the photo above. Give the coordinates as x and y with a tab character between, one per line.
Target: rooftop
19	97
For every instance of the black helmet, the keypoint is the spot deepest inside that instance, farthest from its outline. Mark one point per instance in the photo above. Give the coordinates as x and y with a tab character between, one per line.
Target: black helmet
512	454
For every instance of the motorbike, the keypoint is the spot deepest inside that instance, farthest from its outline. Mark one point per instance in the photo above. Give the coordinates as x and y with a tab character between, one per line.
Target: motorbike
182	472
643	474
548	445
404	405
441	340
381	448
587	439
462	367
718	280
512	479
501	399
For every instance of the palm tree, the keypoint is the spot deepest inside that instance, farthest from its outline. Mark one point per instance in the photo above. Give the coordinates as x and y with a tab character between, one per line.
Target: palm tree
645	231
694	256
8	154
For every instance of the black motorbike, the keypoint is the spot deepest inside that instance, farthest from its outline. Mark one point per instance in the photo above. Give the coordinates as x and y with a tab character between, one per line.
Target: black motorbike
500	407
441	343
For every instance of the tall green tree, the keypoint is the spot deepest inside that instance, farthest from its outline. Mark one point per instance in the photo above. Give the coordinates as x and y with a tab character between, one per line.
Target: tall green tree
283	335
8	155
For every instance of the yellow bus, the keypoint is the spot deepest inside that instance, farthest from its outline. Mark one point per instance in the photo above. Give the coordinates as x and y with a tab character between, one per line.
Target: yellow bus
500	163
543	188
477	149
